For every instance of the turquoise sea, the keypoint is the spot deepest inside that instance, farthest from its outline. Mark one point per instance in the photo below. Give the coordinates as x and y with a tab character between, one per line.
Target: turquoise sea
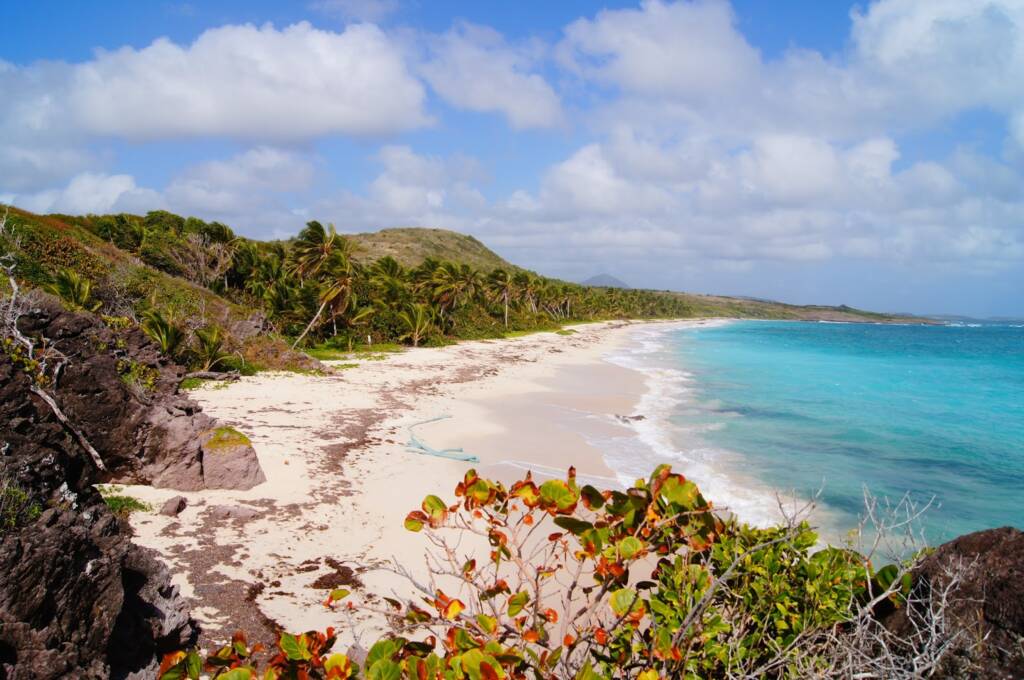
749	408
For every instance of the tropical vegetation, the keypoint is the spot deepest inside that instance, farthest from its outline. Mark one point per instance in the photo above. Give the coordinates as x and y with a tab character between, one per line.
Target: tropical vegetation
573	582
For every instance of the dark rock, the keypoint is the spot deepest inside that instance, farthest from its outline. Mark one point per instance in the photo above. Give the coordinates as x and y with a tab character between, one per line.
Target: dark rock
151	434
174	506
988	604
77	598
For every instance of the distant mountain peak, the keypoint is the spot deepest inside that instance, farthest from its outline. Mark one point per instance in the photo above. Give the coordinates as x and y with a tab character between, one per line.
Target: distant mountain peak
606	281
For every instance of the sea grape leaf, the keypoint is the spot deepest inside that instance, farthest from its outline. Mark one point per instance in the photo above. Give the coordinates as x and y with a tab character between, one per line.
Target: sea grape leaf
293	648
517	602
557	493
573	525
629	547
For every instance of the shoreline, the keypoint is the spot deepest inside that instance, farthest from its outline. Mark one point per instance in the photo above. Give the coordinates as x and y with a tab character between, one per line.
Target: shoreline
340	478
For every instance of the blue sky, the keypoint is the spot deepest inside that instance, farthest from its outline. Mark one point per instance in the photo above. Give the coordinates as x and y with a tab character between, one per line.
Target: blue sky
818	152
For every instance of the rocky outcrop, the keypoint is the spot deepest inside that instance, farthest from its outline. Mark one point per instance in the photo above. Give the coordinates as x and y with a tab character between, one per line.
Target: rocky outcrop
77	598
123	395
987	605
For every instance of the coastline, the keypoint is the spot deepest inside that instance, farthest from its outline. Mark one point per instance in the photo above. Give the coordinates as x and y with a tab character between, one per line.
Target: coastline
340	478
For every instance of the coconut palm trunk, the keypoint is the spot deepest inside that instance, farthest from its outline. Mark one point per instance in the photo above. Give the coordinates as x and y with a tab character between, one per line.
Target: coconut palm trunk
311	323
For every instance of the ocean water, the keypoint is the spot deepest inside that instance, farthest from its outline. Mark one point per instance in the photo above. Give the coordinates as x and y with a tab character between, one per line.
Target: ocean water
751	408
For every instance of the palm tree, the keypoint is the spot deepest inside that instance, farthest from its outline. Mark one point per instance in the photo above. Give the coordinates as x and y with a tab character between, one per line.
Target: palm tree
210	347
315	247
75	290
336	287
527	284
389	280
501	287
165	334
419	320
453	286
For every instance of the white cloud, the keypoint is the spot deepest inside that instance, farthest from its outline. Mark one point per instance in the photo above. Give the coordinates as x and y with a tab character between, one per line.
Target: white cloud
473	68
663	49
92	193
240	184
242	81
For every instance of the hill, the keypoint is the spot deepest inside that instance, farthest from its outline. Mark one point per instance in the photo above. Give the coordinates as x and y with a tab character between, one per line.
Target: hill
751	308
606	281
412	245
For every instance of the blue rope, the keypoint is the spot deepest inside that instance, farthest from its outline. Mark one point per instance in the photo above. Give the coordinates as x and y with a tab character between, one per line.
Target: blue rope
417	446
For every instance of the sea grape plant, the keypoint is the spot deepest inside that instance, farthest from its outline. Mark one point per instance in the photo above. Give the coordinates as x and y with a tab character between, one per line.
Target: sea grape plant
555	579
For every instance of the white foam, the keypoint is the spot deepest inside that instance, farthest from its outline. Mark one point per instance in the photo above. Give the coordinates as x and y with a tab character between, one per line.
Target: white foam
658	440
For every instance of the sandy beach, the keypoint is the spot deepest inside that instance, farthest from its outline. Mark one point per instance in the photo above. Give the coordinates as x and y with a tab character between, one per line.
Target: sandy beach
341	477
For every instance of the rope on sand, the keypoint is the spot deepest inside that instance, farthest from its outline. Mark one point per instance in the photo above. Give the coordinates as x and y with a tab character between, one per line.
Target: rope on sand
417	446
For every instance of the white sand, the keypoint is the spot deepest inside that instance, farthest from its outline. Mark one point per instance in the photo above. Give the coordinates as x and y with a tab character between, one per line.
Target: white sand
340	479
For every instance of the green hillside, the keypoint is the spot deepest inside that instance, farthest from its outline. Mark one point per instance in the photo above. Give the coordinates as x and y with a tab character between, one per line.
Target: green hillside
747	308
412	245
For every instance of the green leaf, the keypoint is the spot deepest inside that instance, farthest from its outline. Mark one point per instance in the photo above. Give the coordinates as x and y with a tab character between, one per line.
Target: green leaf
384	669
175	672
573	525
625	601
517	602
592	497
557	493
434	506
194	664
679	491
415	520
629	547
237	674
383	649
293	648
339	594
488	623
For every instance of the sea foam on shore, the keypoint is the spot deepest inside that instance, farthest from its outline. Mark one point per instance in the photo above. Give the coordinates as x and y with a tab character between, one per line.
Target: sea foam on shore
660	439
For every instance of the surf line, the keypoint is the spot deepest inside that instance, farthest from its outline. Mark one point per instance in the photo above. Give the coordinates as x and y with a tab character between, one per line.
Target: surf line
417	445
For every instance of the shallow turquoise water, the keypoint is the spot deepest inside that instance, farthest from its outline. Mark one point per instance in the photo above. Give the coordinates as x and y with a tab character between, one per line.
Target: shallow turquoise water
936	411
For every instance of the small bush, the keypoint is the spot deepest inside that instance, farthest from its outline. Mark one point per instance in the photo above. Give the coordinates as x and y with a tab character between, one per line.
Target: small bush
123	506
16	507
139	376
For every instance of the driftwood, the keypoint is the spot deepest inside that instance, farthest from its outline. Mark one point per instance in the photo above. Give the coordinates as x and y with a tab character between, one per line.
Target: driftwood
230	376
93	453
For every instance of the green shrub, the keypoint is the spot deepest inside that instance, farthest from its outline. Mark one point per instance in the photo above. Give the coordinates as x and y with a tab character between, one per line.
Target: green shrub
123	506
582	583
137	375
16	507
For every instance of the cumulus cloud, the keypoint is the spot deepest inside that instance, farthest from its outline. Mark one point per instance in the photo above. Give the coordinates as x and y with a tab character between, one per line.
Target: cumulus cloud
474	68
92	193
251	82
241	184
665	49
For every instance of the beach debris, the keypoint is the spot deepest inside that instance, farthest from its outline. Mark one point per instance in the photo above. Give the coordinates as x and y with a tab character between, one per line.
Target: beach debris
174	506
417	446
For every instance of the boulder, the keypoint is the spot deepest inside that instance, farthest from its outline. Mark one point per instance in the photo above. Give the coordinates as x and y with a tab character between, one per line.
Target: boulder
239	512
987	605
229	461
174	506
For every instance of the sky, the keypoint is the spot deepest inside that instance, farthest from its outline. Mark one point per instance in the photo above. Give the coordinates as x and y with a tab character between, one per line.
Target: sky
868	154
